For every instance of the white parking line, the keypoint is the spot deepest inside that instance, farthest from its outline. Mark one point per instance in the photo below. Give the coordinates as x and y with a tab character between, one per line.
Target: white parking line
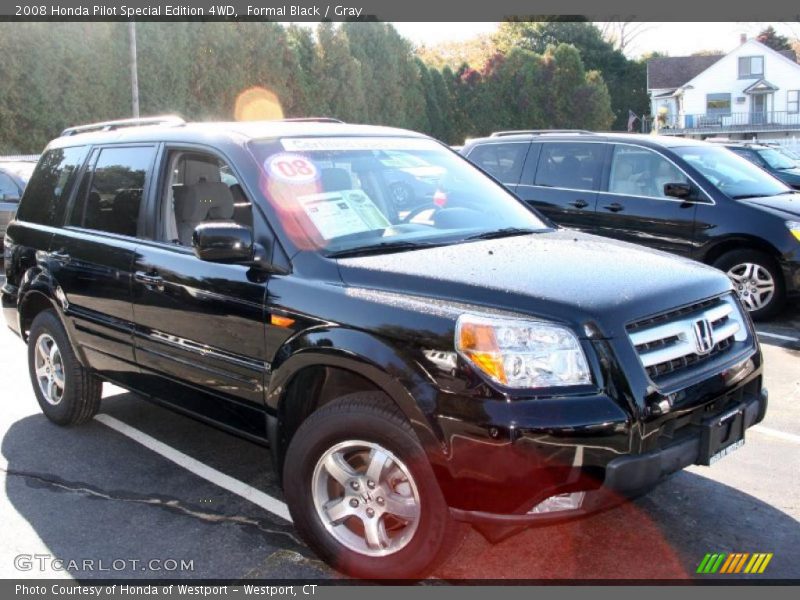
249	493
778	336
781	435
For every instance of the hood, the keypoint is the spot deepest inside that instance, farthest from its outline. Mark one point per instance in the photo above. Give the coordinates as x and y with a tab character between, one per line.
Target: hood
788	204
559	275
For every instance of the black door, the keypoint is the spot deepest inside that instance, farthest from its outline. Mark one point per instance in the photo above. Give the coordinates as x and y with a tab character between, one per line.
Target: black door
199	325
561	180
635	207
91	258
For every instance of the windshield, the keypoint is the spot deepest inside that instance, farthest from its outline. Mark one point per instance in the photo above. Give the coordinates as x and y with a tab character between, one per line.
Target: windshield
23	170
776	160
734	176
340	194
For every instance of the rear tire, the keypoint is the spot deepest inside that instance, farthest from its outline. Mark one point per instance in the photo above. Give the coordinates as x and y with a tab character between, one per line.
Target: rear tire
338	497
67	393
757	279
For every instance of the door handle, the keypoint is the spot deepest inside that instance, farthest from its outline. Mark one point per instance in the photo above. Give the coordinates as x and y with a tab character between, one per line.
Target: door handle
150	280
614	207
579	203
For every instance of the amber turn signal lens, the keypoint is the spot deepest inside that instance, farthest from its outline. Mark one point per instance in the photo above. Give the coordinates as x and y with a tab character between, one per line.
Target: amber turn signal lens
280	321
479	343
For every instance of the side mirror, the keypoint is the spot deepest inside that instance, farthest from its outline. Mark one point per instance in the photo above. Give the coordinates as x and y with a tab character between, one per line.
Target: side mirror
678	190
223	242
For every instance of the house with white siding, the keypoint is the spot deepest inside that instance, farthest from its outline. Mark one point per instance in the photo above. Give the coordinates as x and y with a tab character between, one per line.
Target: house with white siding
753	92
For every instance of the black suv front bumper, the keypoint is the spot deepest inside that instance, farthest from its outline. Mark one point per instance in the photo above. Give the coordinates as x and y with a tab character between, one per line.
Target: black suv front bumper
628	476
591	445
631	475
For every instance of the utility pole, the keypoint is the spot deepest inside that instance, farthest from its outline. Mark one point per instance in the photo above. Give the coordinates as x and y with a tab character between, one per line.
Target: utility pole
134	69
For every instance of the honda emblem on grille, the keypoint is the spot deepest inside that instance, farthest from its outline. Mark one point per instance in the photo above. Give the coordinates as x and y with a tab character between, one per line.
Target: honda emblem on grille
704	336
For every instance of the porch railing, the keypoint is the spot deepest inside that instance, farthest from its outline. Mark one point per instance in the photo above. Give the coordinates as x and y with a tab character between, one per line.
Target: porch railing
726	123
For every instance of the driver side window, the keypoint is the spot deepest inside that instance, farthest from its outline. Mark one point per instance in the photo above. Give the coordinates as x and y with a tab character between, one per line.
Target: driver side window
200	188
637	171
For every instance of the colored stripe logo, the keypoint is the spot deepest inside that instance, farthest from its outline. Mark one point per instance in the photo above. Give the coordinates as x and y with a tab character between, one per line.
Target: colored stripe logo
733	563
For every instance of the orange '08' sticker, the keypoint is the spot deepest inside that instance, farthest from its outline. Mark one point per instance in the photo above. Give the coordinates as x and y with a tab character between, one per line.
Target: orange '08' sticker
292	168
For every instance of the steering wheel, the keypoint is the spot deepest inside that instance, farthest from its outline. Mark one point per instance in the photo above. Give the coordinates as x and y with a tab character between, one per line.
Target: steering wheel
418	210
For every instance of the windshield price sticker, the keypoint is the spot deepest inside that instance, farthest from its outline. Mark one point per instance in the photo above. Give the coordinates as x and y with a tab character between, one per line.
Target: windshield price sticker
356	143
336	214
292	168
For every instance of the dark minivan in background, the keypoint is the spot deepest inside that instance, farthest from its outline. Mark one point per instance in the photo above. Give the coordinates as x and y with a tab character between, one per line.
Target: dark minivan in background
687	197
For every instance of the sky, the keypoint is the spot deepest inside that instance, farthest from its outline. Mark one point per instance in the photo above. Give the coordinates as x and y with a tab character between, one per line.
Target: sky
675	39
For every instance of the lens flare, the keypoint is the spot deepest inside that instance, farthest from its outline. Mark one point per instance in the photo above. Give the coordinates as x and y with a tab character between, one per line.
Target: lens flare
257	104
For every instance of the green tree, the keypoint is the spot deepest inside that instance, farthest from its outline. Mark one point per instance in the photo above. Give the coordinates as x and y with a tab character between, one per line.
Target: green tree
625	82
301	41
341	83
770	37
444	129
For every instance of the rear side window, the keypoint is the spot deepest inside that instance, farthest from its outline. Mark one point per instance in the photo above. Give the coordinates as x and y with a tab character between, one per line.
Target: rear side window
502	161
573	166
49	188
111	192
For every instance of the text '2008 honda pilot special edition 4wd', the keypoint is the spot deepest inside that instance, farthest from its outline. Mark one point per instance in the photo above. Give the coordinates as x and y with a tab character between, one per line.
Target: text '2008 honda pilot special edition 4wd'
461	361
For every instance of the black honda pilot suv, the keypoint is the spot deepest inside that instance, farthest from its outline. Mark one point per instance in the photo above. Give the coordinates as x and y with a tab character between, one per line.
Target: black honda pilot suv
458	361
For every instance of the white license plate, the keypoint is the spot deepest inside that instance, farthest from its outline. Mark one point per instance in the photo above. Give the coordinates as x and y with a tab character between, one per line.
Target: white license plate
725	451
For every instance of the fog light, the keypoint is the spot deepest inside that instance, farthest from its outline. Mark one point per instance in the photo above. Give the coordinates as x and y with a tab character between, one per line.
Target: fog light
561	502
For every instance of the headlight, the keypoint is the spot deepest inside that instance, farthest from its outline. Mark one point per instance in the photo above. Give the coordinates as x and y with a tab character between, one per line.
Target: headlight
522	354
794	228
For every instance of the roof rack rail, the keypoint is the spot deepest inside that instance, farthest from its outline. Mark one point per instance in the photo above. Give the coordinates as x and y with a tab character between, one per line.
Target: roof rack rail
540	132
121	123
311	120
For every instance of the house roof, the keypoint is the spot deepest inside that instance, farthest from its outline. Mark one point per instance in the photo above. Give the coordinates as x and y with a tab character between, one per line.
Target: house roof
760	86
670	72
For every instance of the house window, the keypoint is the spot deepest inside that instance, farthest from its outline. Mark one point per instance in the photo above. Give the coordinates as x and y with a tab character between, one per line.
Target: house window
793	101
718	104
751	67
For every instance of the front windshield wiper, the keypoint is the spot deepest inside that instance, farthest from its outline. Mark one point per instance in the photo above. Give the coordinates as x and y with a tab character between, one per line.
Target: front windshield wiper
504	232
746	196
382	247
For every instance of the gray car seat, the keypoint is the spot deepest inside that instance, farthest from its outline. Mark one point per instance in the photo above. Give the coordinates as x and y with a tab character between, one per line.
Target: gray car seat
202	197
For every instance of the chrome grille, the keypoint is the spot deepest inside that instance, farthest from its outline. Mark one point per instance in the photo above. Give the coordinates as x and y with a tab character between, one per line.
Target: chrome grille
688	336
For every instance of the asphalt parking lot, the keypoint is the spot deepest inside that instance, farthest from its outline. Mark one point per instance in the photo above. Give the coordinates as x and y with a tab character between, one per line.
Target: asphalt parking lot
140	490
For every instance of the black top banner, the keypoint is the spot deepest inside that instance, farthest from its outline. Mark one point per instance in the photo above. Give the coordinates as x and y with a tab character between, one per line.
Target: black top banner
394	10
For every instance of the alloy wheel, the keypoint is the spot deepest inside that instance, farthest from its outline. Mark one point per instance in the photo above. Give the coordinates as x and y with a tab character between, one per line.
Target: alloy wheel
49	369
366	498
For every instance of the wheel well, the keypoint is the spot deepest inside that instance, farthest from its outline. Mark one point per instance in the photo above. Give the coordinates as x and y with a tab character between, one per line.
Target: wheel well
310	389
32	305
739	244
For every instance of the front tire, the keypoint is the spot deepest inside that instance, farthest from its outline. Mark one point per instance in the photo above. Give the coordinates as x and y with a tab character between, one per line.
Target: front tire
757	279
67	393
362	493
